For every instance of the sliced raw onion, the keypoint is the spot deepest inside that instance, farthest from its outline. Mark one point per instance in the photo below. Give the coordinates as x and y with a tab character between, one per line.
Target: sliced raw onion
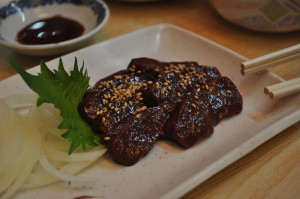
43	177
32	151
55	154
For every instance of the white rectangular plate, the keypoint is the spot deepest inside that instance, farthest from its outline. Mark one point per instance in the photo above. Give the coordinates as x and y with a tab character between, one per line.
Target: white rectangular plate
169	171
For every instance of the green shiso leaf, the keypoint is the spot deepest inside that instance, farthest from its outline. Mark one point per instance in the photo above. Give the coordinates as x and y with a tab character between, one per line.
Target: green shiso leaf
65	92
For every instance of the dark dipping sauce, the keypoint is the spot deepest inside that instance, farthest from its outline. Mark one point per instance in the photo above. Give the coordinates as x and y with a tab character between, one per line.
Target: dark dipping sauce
50	30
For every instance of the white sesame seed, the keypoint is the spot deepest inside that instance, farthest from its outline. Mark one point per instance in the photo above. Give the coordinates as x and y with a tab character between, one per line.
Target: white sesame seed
106	138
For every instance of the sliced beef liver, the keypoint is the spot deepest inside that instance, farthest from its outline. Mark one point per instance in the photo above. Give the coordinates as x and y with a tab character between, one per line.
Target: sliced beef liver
151	100
196	116
135	136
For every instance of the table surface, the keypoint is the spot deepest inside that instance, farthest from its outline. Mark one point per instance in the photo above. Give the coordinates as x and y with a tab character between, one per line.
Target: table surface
270	171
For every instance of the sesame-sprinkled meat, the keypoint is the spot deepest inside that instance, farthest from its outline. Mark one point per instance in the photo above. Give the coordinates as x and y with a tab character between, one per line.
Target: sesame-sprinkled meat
151	100
135	136
196	116
111	100
192	119
224	97
150	69
178	80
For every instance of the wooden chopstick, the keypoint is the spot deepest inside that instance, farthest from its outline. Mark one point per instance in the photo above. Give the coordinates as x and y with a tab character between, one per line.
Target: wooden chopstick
272	59
283	89
261	63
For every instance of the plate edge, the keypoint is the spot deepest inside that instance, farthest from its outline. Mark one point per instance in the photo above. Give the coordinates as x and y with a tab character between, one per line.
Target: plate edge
234	155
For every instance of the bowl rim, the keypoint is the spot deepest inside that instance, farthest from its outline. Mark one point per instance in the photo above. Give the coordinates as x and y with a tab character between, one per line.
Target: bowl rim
23	47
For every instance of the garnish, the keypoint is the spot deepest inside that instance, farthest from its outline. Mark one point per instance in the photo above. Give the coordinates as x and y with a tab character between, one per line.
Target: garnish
65	92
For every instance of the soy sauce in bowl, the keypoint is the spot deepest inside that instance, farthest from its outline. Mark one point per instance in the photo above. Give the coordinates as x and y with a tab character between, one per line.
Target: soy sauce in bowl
50	30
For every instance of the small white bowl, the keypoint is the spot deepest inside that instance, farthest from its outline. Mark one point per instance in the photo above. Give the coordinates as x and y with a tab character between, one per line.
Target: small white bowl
14	16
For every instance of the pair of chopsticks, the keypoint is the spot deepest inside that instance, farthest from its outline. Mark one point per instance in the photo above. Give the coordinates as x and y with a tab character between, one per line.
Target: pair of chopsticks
261	63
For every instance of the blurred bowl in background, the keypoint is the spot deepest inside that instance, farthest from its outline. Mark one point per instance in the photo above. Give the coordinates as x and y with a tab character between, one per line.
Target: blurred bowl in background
14	16
261	15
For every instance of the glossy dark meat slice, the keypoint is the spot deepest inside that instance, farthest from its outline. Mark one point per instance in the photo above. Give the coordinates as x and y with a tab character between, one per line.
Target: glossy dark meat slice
179	79
196	116
111	100
191	120
135	136
151	89
148	68
224	97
